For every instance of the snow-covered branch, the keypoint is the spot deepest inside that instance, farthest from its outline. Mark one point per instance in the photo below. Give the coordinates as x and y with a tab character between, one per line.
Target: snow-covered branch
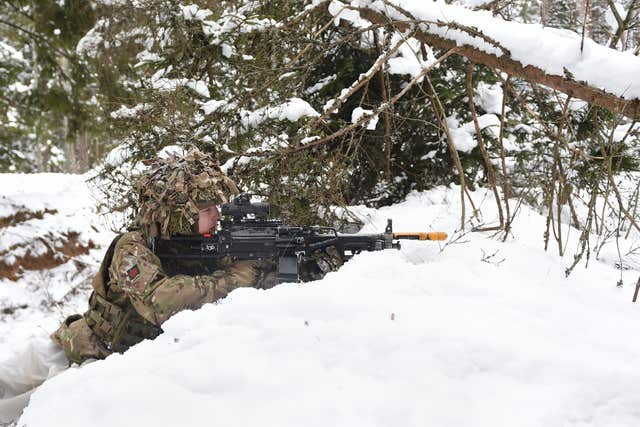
599	75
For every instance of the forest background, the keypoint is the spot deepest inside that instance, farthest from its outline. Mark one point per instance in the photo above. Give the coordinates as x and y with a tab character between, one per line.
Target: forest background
82	82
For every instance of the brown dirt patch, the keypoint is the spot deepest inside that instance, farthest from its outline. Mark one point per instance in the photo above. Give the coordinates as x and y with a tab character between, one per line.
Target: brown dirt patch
24	215
59	252
13	309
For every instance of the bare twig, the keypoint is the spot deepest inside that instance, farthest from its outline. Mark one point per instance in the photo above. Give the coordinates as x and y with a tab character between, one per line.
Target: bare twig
440	114
623	24
584	25
635	294
387	124
506	188
485	155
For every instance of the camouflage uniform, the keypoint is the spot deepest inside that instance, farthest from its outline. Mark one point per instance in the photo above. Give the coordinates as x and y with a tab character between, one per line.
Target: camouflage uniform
139	297
133	293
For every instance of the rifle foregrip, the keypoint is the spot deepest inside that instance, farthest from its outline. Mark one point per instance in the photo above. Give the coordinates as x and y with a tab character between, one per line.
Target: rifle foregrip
432	235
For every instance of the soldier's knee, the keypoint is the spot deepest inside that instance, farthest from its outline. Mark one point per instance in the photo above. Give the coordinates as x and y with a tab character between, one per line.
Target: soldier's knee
78	340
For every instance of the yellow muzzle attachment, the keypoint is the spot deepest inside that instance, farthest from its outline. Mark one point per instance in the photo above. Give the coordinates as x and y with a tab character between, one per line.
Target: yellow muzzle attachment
431	235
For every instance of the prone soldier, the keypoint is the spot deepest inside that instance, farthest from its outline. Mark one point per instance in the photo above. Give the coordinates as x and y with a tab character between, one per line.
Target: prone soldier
134	291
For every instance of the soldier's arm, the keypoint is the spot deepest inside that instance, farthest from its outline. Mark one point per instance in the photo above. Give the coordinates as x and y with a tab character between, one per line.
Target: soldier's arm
157	296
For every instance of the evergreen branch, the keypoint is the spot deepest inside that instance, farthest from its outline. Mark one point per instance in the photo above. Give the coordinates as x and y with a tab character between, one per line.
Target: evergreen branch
365	119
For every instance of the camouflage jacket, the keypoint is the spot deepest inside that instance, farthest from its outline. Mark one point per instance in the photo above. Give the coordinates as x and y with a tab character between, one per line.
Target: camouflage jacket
133	296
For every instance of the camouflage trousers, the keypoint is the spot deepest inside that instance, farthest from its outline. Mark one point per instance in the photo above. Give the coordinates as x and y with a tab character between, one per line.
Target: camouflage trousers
78	341
22	372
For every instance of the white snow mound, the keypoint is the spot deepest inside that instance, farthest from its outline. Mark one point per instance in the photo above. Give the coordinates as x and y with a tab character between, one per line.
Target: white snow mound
479	333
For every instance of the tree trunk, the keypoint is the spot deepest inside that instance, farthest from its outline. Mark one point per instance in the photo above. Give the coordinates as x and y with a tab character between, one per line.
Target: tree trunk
69	147
82	150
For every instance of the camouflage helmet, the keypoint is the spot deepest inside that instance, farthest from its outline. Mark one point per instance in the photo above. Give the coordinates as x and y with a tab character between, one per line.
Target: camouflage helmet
171	189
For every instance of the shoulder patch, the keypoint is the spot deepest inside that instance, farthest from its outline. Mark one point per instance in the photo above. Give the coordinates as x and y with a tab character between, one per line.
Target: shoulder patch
133	272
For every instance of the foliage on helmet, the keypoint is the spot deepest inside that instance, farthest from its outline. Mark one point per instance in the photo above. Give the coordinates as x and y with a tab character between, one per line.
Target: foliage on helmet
171	189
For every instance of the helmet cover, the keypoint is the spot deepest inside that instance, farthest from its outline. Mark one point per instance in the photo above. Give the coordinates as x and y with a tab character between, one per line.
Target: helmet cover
171	190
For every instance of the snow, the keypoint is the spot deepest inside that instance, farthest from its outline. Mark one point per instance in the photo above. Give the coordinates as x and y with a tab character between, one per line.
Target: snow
90	42
233	22
550	49
622	132
214	105
403	337
9	53
476	3
118	155
489	97
146	57
340	11
193	12
292	110
227	50
320	84
158	81
45	297
358	112
200	87
171	151
18	87
125	112
463	136
409	59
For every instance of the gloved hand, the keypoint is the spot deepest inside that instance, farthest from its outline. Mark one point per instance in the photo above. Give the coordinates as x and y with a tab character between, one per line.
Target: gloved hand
319	263
249	273
266	274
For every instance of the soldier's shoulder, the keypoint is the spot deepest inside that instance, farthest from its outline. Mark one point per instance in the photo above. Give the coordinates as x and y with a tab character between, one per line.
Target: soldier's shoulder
132	247
131	239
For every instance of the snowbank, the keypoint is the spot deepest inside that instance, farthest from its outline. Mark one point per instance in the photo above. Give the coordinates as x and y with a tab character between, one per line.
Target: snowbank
476	332
46	221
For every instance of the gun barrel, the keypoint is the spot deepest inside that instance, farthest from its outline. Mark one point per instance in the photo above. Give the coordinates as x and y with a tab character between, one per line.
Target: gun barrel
430	235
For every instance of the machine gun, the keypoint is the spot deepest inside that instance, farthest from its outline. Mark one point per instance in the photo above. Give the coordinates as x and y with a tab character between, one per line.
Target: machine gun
247	232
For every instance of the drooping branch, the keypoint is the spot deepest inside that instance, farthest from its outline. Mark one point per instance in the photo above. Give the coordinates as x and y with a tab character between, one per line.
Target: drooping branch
366	118
598	97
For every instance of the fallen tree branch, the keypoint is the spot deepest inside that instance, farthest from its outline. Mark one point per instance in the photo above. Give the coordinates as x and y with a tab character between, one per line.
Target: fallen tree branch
627	107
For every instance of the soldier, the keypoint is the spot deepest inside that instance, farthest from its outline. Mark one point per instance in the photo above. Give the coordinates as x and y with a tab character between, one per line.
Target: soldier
135	291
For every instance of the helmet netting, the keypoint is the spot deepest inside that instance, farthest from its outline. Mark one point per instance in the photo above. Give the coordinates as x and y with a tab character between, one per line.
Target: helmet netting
170	190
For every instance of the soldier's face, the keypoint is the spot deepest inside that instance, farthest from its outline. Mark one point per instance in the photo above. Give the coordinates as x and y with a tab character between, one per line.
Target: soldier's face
208	219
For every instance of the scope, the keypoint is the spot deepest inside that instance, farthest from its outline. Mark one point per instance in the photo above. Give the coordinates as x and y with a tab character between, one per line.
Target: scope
241	206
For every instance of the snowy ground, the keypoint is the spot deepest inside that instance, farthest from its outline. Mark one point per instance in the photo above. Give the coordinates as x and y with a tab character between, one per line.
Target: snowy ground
476	332
37	302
